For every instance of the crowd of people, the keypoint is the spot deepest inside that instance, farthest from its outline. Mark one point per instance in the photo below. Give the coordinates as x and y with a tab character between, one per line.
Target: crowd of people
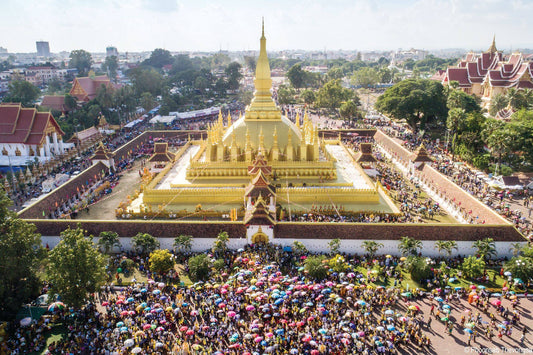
264	302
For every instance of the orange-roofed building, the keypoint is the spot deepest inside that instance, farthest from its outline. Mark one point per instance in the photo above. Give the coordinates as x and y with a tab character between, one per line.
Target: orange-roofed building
86	88
26	133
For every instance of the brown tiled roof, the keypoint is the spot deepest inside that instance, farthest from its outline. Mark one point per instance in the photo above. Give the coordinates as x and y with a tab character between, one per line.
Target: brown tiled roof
24	125
89	86
55	102
421	155
88	134
161	153
102	153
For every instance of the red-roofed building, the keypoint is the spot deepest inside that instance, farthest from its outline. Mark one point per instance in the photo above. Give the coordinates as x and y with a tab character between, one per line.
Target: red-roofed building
26	133
86	88
55	102
489	73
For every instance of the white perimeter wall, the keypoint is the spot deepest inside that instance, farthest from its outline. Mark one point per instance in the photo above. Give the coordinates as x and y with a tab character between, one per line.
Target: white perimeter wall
313	245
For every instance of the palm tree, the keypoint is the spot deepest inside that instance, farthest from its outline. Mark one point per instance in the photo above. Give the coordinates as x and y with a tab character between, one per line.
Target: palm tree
183	243
516	249
515	98
221	243
108	240
144	243
299	247
486	248
446	246
409	246
334	246
371	247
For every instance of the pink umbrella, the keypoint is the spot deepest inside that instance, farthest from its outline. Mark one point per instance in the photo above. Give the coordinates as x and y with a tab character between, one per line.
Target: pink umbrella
231	314
124	313
258	339
146	326
250	308
473	287
269	335
183	328
105	303
190	332
496	302
221	305
194	313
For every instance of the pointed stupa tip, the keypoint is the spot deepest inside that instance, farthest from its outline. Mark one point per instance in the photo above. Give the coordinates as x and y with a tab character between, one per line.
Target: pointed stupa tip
492	48
263	26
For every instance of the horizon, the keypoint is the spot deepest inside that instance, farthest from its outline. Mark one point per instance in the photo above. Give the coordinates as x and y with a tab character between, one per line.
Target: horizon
203	26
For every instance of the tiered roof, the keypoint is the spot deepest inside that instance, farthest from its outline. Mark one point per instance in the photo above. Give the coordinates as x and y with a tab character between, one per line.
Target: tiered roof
365	155
102	153
90	134
55	102
161	153
25	125
490	67
421	155
260	214
86	88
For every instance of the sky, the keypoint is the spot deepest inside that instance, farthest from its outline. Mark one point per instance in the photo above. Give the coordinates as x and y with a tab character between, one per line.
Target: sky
207	25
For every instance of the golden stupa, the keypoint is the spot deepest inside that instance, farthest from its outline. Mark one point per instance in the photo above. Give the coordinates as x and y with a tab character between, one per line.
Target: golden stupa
306	170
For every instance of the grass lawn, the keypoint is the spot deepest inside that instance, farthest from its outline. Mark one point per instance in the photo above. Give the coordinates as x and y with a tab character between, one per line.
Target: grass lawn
57	332
141	277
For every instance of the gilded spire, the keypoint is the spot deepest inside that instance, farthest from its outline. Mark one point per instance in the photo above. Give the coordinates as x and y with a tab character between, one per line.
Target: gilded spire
492	48
262	106
298	119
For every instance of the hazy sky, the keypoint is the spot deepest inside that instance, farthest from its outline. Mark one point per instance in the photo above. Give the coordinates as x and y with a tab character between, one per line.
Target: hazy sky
142	25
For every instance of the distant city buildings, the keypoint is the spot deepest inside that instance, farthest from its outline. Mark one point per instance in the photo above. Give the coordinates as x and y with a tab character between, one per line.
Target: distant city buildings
3	50
43	49
489	73
111	51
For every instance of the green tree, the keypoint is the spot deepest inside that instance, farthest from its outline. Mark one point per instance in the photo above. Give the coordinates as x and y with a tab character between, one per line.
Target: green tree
286	95
520	267
20	256
458	99
108	240
516	249
485	248
221	243
365	77
334	246
338	263
499	140
75	268
473	267
315	267
385	75
516	98
70	102
250	62
199	267
335	73
161	261
22	91
409	246
308	97
348	110
296	76
81	60
159	58
371	247
144	243
332	94
446	247
146	80
110	66
416	101
419	268
234	75
299	247
147	101
183	243
497	103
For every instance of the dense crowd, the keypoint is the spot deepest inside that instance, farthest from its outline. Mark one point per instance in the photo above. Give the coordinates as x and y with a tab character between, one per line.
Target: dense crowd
267	304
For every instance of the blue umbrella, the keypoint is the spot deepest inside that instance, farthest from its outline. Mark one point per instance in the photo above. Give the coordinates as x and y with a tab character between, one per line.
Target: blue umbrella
131	299
446	306
457	288
389	312
391	328
120	324
439	299
468	330
278	302
496	294
280	331
124	329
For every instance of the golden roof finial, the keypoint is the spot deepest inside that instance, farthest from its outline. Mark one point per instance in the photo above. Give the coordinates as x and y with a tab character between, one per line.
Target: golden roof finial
492	48
298	119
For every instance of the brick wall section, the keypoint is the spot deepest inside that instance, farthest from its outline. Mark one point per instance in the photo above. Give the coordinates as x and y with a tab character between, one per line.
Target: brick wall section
446	187
453	192
144	137
391	145
64	192
127	229
369	231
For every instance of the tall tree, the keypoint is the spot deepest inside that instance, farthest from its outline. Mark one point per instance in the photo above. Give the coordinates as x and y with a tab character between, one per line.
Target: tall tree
332	94
297	76
365	77
221	242
75	268
416	101
497	103
147	101
371	247
348	110
234	75
159	58
183	243
110	66
22	91
409	246
446	246
161	261
486	248
81	60
20	255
